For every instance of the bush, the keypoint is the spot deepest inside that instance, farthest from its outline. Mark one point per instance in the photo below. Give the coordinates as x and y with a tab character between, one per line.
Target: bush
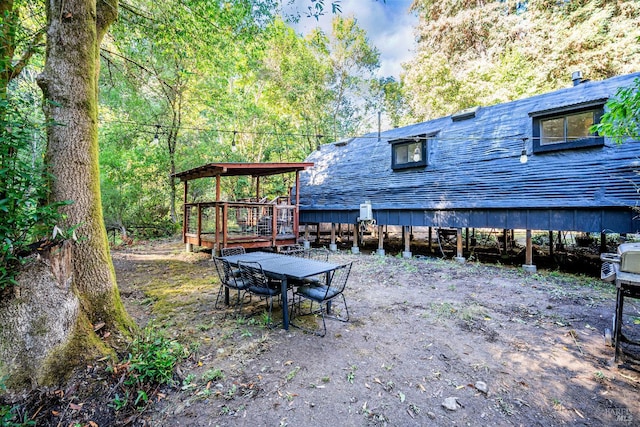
151	362
153	358
27	217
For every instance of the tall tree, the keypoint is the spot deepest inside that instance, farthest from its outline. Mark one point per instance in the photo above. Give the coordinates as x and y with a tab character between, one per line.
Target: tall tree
480	53
69	81
353	61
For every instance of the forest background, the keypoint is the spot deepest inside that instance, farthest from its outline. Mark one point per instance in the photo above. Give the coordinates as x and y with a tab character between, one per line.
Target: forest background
184	83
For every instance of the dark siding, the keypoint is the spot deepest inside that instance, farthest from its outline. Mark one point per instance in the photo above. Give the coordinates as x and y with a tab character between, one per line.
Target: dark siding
474	175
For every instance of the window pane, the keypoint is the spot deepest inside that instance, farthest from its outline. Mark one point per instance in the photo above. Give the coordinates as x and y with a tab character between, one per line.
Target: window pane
402	154
578	125
552	131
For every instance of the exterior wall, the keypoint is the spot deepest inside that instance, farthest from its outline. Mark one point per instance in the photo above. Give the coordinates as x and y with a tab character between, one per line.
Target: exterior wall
474	177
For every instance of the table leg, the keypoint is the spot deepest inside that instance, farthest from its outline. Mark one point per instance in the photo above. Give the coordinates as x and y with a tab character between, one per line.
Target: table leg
328	302
285	304
617	333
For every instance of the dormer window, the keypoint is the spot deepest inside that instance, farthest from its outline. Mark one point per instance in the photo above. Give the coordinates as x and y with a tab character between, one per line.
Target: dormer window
566	128
409	153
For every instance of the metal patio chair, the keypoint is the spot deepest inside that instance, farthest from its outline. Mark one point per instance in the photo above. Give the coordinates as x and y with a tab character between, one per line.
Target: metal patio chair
259	284
232	250
323	295
293	250
229	279
320	254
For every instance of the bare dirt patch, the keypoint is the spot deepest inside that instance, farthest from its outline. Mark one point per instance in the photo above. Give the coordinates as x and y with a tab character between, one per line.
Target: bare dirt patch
510	348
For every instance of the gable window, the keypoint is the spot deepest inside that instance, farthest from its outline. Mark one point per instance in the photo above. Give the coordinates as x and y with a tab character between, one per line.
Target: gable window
409	153
566	129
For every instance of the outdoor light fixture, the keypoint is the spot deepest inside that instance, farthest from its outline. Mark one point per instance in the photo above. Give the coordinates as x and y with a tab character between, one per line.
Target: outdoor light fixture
416	154
233	142
156	138
523	154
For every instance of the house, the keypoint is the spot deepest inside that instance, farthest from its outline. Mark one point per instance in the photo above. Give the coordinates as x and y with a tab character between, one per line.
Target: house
529	164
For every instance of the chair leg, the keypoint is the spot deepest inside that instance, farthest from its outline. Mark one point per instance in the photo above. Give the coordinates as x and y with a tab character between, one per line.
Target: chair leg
218	297
346	309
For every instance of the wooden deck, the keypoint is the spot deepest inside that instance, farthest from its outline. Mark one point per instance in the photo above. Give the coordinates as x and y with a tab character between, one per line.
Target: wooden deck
248	224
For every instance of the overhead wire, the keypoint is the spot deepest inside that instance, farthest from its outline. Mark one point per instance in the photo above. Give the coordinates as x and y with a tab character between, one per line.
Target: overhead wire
154	127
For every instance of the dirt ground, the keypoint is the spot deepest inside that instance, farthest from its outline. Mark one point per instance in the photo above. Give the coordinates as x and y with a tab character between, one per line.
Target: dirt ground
502	346
495	344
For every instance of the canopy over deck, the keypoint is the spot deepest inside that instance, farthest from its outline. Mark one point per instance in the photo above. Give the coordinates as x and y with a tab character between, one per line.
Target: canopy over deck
240	169
252	224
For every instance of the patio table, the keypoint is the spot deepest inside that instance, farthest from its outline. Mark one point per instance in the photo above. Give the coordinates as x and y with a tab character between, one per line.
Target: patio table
283	268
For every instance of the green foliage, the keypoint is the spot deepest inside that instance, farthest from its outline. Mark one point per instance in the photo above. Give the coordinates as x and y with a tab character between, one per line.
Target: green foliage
10	415
153	358
27	217
482	53
622	117
213	375
151	362
252	81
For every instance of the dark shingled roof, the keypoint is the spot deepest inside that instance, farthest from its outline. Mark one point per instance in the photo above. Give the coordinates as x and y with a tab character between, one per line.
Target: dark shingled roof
473	166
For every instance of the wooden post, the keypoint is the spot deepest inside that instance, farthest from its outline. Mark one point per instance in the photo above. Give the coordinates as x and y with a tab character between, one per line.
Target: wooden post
550	243
257	188
406	236
274	224
505	237
466	238
218	212
528	265
296	210
225	213
430	239
380	250
199	224
560	244
355	249
332	245
603	242
460	253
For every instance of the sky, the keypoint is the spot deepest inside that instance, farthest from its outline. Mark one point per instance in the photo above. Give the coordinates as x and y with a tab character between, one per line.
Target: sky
389	26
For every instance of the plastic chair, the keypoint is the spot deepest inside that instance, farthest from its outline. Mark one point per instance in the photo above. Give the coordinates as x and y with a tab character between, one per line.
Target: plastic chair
324	294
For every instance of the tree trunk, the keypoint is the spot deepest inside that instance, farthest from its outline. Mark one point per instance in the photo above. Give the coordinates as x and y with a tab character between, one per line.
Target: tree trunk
69	82
37	317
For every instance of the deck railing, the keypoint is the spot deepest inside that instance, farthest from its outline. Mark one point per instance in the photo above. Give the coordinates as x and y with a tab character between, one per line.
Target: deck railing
219	224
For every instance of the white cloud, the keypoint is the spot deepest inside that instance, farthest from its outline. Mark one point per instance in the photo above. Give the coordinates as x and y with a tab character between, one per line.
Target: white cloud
389	26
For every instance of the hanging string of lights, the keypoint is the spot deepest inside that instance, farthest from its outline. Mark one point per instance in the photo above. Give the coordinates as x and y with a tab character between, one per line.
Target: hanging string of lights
156	130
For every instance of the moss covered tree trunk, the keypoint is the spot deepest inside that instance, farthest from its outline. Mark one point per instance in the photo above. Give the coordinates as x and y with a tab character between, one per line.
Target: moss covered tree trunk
69	82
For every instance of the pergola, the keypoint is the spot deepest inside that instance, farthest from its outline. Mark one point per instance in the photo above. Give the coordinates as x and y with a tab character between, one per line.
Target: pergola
252	224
